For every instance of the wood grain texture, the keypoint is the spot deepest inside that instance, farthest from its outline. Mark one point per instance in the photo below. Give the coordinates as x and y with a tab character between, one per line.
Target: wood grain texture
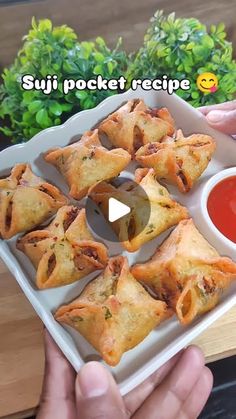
107	18
21	349
29	413
219	340
22	354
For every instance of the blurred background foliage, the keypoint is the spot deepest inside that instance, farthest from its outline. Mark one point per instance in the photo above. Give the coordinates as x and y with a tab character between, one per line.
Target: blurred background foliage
178	47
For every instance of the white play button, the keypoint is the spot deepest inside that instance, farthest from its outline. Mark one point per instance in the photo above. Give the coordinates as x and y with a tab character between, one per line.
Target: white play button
116	210
117	202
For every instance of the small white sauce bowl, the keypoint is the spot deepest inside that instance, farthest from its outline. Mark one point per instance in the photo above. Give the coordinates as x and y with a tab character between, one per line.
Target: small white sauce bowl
217	238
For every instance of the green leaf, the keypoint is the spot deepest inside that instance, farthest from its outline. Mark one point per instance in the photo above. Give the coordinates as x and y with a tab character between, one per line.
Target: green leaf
28	97
33	23
100	41
207	41
33	131
195	95
110	66
45	25
213	28
220	27
81	94
88	103
184	48
99	57
55	108
27	117
98	69
200	52
35	106
6	131
66	107
42	117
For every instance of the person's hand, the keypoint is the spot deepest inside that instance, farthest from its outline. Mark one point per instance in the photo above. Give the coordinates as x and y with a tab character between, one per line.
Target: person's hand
178	390
222	116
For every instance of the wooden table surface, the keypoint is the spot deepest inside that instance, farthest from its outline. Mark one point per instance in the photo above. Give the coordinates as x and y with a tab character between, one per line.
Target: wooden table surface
22	355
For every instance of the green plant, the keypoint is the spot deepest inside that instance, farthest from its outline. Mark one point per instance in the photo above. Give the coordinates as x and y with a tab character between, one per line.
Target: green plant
183	48
54	50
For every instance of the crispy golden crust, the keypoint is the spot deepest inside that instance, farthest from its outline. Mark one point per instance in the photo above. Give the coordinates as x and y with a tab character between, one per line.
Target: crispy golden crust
65	251
114	312
87	162
164	211
26	201
187	272
180	162
134	124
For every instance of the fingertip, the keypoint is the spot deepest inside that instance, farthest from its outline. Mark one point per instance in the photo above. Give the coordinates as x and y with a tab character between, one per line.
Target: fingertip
50	344
215	116
92	380
54	357
208	377
196	355
94	364
223	120
203	109
97	395
92	367
47	336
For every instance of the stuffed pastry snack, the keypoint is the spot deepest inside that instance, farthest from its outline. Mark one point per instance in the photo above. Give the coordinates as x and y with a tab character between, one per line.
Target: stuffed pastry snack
181	161
187	272
65	251
134	124
87	162
26	200
163	212
114	312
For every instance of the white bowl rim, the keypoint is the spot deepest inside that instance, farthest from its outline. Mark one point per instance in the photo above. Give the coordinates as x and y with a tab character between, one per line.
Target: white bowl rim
210	184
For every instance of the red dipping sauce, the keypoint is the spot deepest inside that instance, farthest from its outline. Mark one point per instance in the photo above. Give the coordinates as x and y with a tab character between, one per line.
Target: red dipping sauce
221	207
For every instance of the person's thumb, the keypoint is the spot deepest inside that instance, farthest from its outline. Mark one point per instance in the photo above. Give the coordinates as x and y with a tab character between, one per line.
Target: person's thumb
97	395
224	121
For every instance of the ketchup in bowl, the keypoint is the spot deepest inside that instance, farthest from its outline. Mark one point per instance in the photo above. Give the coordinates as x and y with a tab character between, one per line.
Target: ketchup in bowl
221	206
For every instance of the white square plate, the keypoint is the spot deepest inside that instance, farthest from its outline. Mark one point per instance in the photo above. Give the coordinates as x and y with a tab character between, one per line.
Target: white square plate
167	339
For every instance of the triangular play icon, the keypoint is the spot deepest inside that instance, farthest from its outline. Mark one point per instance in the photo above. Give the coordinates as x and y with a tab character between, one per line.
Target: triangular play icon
116	210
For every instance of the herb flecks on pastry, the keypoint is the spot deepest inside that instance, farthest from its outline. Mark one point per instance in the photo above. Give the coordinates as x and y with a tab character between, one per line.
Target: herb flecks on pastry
134	124
130	230
65	251
181	161
114	312
187	272
87	162
26	200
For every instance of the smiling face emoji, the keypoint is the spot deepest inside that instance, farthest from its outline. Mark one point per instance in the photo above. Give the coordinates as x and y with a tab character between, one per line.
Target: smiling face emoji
207	82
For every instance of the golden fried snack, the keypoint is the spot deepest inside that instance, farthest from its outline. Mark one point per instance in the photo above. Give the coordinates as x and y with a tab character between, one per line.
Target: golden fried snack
87	162
187	272
65	251
114	312
131	231
26	200
180	162
134	124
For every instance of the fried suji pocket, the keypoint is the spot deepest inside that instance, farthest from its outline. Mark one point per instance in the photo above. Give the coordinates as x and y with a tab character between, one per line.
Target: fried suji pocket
65	251
26	200
134	124
114	312
187	272
181	161
130	229
87	162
